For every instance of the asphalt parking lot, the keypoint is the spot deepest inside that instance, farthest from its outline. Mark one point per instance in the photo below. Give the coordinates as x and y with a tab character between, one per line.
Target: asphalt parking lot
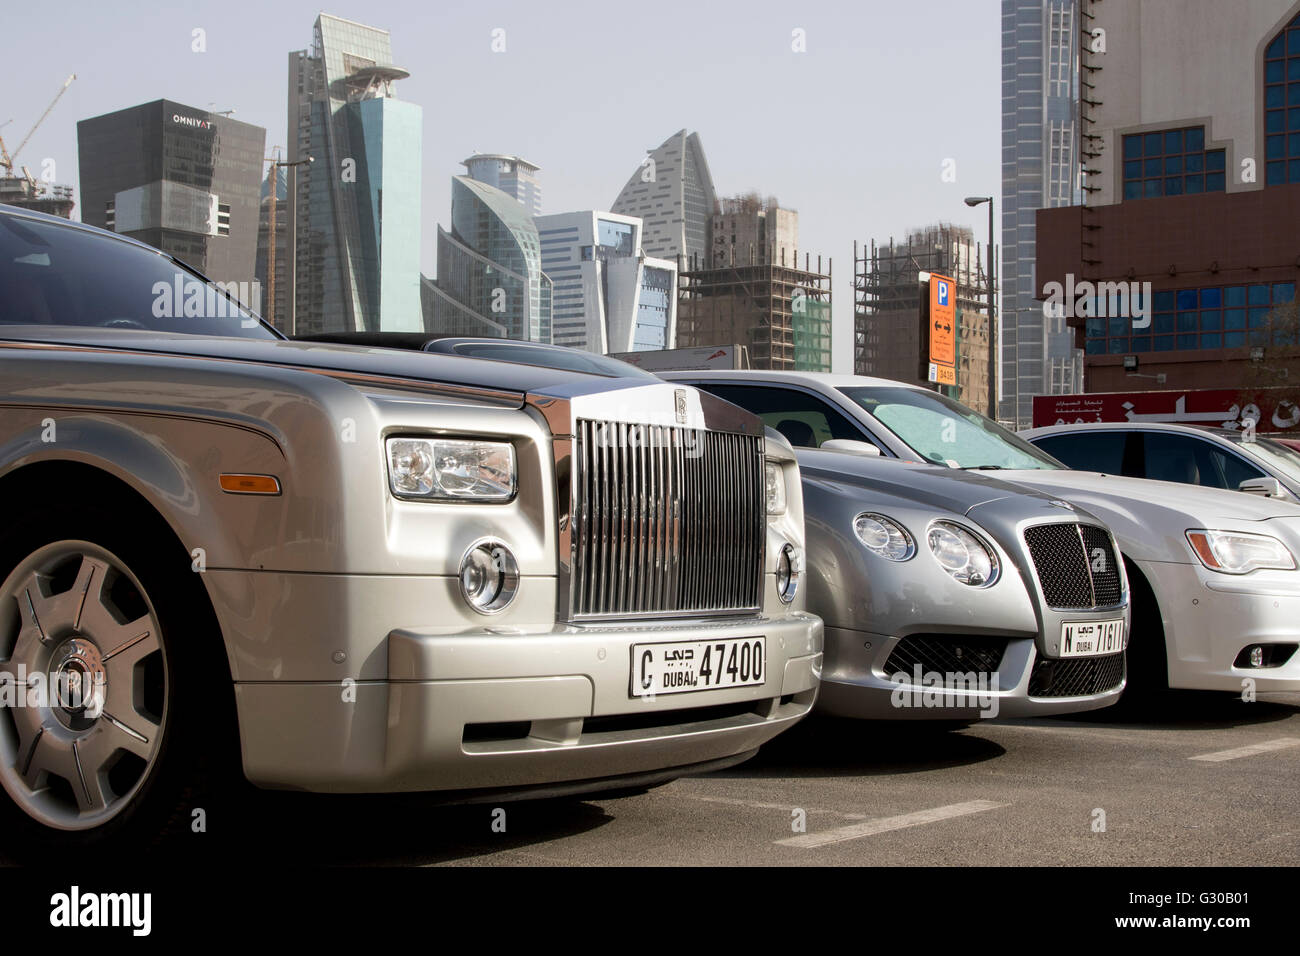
1210	781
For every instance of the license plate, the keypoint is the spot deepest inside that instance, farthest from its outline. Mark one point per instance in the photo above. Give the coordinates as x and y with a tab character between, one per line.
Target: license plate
1092	639
697	665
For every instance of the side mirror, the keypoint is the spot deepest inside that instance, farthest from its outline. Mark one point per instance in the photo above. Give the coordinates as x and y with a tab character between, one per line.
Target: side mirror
1268	487
852	446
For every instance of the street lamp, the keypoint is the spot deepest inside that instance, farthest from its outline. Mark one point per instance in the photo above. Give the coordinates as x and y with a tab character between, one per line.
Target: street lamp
276	164
993	319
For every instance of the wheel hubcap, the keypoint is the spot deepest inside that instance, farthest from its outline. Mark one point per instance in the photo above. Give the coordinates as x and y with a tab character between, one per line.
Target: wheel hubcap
83	695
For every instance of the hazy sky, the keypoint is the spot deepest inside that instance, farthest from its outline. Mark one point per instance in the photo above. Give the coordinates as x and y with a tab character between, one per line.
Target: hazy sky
853	133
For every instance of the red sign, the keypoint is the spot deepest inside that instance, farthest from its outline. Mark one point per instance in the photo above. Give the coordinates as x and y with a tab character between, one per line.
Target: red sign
1273	409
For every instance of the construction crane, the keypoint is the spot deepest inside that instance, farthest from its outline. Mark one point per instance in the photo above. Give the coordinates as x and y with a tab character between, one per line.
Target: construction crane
6	159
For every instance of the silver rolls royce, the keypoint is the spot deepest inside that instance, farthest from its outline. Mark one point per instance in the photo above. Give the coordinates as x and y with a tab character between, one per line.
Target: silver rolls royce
359	569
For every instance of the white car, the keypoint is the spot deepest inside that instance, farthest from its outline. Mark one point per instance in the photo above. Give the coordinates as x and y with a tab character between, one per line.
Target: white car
1215	575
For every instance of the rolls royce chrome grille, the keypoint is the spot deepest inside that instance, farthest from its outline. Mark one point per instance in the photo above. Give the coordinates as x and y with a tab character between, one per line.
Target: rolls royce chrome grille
667	521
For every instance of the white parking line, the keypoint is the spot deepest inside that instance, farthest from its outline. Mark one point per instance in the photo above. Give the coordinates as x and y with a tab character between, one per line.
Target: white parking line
754	805
885	824
1282	743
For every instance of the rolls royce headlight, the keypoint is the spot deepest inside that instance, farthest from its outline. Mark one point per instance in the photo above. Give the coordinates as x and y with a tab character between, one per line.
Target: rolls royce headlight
774	479
884	536
489	577
451	469
964	556
1238	552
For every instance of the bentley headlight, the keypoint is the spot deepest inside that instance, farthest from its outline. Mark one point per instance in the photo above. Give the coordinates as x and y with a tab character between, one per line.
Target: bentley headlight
884	536
1238	552
963	555
451	469
774	479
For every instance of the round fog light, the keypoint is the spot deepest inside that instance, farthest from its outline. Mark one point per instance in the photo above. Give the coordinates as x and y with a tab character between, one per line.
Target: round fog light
489	577
787	574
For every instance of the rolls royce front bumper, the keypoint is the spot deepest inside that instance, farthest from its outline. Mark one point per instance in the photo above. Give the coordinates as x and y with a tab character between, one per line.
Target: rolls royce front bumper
551	712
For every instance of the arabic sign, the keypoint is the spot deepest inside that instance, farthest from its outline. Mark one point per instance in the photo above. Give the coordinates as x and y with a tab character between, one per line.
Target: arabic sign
1272	409
942	326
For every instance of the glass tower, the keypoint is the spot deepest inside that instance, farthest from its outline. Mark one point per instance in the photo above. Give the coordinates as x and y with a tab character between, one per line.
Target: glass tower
355	209
1040	162
490	279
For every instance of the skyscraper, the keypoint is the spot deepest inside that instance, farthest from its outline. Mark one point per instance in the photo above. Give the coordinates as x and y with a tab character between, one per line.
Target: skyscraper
354	213
513	175
181	179
671	192
273	311
1040	161
490	279
608	296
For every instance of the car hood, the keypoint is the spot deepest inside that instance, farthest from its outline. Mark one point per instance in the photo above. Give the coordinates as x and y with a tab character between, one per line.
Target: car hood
1139	496
934	486
414	366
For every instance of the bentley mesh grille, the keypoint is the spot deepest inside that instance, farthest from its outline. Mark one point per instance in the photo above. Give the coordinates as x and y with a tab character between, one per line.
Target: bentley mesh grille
1076	565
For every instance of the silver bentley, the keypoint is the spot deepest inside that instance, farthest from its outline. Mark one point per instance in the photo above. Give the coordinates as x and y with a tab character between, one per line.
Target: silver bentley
358	569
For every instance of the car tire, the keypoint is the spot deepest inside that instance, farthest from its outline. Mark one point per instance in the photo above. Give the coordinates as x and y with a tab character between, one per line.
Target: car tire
118	749
1147	662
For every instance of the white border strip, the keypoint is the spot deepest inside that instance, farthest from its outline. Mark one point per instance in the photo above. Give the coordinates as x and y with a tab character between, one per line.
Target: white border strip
855	831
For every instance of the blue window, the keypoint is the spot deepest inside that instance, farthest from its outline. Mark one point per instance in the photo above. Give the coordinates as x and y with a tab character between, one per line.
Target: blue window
1211	298
1258	318
1186	299
1234	295
1117	346
1234	318
1095	347
1187	321
1259	295
1095	328
1174	162
1164	322
1211	340
1118	325
1210	319
1234	340
1140	343
1164	301
1282	106
1283	292
1163	343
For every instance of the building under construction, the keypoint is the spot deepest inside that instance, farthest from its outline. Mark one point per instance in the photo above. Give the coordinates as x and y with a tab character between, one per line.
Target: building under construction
887	302
28	192
18	187
779	312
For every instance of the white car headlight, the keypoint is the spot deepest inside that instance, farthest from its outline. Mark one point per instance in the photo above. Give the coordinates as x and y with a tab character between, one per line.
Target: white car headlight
1238	552
774	479
884	536
963	555
451	469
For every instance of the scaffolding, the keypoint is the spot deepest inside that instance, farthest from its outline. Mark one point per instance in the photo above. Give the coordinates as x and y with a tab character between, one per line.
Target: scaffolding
779	312
887	338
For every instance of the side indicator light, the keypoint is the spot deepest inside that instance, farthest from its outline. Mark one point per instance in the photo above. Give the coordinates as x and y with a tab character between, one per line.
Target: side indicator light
250	484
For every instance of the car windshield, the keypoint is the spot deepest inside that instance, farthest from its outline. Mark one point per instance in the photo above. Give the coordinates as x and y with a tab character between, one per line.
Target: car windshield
946	432
569	360
1271	454
56	275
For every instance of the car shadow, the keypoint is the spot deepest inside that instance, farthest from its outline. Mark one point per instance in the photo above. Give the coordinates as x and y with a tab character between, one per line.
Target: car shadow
1180	710
820	746
375	830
